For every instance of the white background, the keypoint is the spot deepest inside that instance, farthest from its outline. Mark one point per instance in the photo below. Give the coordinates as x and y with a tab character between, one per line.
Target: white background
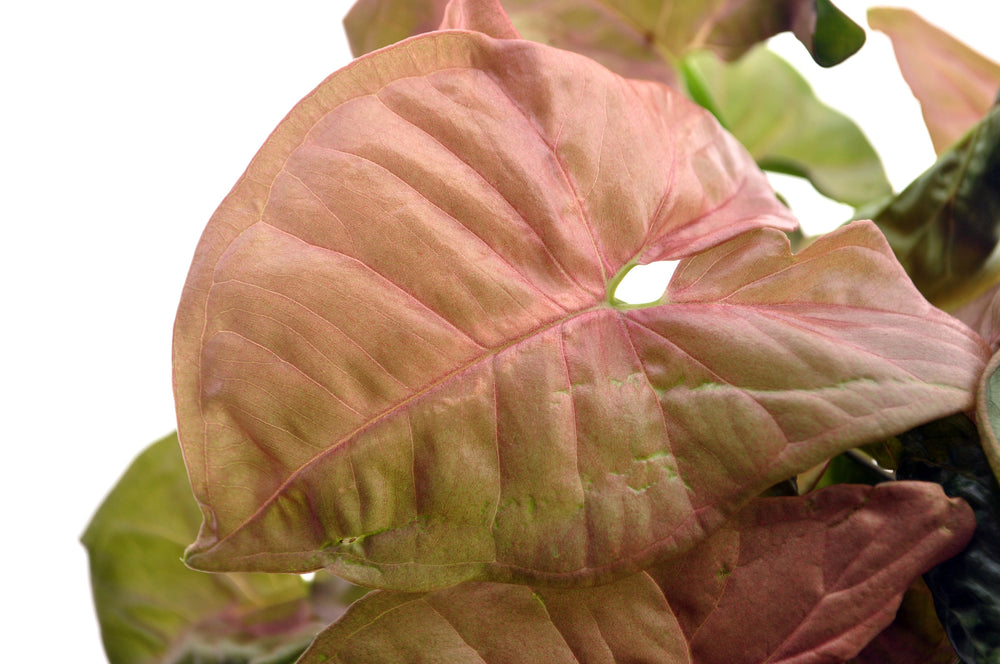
122	126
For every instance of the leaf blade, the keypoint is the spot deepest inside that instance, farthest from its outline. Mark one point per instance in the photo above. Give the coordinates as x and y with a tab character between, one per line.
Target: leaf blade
396	358
955	85
682	611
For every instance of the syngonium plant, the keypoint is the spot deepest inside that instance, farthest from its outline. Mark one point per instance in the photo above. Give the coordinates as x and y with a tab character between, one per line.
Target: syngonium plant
400	363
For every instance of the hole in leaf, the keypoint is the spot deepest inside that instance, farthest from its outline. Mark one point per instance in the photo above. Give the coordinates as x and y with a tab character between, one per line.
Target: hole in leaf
644	284
308	576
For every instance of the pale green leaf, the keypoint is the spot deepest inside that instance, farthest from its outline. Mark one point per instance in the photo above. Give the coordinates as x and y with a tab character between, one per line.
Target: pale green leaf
153	609
772	110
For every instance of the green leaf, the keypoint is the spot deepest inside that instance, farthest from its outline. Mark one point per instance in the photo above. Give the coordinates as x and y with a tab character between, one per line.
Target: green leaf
152	608
398	355
949	453
955	85
944	227
820	575
852	467
835	36
773	112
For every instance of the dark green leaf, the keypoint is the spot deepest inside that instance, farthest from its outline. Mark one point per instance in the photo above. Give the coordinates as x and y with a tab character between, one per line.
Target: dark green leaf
945	226
787	130
152	608
835	37
965	588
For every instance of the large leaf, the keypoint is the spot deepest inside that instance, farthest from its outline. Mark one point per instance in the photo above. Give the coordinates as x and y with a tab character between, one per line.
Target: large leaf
154	609
810	578
398	356
787	129
496	156
954	84
949	453
636	38
945	226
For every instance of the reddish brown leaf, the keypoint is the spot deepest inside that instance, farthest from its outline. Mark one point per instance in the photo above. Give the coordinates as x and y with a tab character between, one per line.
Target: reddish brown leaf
814	578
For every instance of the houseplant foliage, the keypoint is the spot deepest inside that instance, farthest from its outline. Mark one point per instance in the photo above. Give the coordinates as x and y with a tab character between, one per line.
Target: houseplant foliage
400	361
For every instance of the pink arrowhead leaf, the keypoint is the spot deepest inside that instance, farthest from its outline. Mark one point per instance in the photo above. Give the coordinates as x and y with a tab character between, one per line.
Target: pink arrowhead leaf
805	579
398	355
954	84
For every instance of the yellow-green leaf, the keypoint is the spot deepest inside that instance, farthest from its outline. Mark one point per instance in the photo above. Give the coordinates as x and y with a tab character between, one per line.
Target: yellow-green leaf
772	110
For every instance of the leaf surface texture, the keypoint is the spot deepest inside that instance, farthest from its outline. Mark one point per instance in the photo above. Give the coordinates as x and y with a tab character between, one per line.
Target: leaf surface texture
397	357
733	602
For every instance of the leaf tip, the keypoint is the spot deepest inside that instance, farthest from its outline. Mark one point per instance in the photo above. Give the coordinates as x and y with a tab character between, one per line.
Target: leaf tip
835	37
